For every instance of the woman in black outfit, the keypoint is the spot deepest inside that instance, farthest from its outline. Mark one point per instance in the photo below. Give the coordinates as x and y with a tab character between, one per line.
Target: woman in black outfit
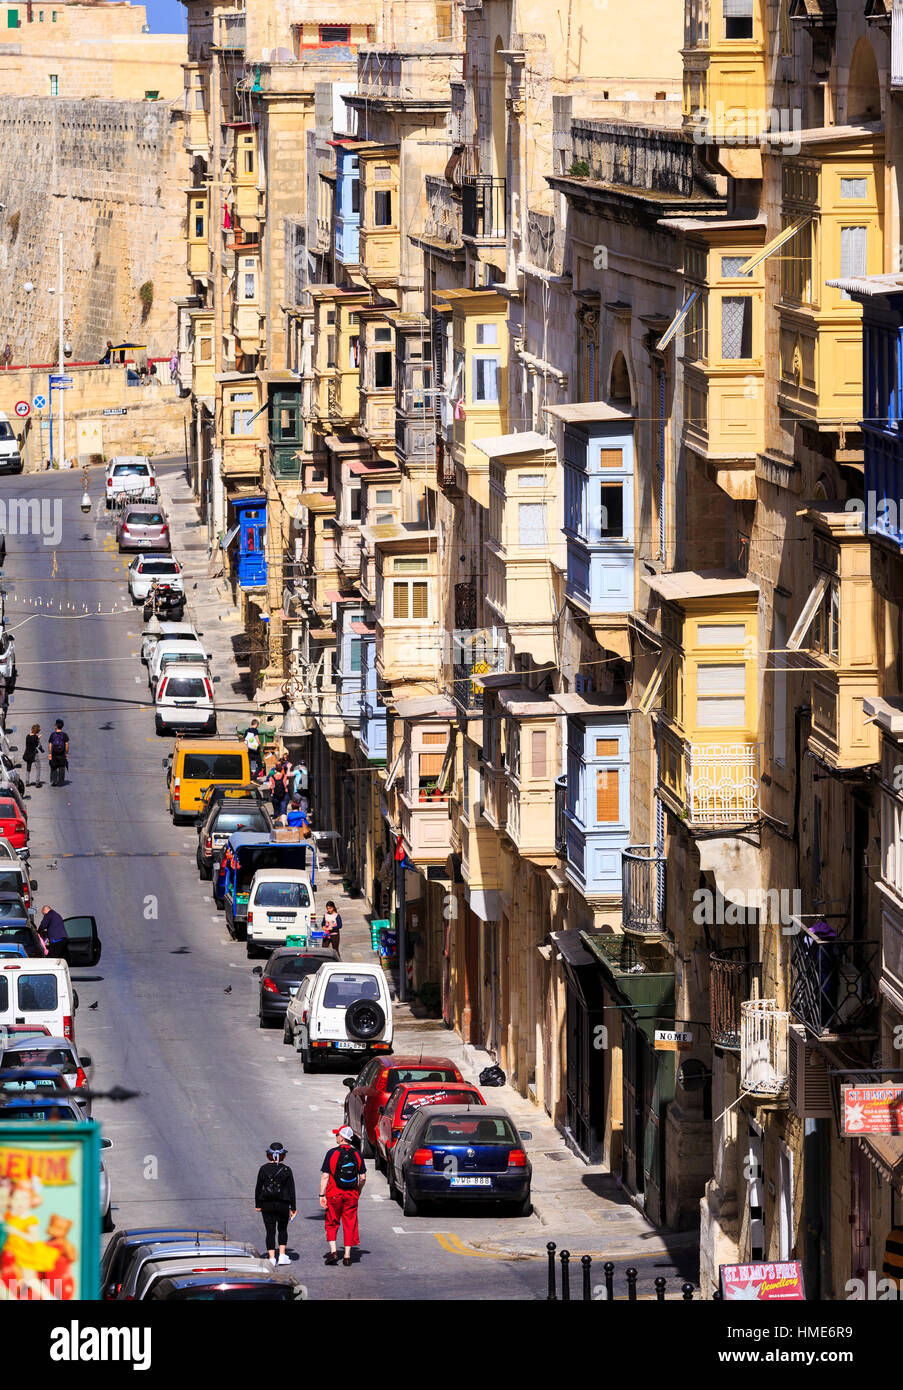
274	1198
33	747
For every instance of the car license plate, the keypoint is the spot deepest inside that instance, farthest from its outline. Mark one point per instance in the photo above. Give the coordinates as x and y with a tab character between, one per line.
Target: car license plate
185	704
471	1182
351	1046
280	917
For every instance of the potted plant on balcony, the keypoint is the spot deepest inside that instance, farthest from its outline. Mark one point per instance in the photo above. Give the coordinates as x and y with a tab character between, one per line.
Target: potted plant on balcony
436	793
427	790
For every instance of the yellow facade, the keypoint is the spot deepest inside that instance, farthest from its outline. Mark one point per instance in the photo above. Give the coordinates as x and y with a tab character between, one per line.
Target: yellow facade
380	226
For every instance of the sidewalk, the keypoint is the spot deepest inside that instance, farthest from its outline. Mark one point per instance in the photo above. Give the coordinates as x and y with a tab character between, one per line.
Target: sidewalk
577	1205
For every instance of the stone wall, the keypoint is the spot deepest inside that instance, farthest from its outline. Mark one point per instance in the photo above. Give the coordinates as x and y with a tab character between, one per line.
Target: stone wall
108	175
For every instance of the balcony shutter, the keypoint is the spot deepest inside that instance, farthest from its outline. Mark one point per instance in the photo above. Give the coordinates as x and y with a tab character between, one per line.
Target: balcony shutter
395	768
738	9
431	764
608	801
853	253
611	458
896	45
399	601
420	600
538	755
655	682
447	765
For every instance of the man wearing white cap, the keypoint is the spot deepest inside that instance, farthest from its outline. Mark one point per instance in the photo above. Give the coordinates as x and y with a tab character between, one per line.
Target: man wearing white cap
342	1179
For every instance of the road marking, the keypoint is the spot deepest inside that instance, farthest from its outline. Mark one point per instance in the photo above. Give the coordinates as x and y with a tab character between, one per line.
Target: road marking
280	1059
313	1107
137	680
233	965
455	1246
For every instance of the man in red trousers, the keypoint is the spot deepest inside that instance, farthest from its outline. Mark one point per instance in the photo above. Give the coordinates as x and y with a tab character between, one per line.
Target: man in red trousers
342	1179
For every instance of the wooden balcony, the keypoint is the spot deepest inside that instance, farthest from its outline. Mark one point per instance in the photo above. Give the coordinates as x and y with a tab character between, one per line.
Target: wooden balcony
425	829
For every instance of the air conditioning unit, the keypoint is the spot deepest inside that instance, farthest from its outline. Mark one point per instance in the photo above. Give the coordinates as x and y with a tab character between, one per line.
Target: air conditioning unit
809	1083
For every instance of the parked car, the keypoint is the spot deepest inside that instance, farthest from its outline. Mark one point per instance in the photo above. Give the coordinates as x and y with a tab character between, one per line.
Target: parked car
10	454
13	824
185	649
376	1081
13	910
44	1051
82	945
38	991
28	1108
405	1101
8	852
183	701
142	528
192	1248
24	935
341	1009
13	948
14	879
130	475
280	906
460	1152
7	788
281	978
163	631
194	768
226	816
41	1080
118	1252
144	569
250	791
238	1282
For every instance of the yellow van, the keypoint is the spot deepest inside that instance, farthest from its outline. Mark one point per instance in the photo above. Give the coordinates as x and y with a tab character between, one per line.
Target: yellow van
198	763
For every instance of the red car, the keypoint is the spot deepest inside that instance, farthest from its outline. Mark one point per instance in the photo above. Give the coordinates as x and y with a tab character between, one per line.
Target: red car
374	1084
405	1100
13	826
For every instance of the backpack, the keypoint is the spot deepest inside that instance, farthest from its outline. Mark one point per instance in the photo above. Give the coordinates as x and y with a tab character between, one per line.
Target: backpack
273	1182
57	742
346	1169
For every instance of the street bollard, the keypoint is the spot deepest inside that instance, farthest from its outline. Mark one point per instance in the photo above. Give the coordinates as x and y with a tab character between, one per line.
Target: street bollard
631	1284
660	1283
687	1291
565	1276
551	1296
609	1269
587	1263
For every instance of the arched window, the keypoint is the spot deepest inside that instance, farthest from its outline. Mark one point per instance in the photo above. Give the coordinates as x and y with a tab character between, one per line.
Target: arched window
619	387
864	90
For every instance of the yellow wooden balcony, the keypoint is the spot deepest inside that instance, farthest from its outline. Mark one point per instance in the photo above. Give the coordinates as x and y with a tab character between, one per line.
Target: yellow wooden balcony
202	379
197	133
377	415
531	767
480	859
408	630
241	457
198	258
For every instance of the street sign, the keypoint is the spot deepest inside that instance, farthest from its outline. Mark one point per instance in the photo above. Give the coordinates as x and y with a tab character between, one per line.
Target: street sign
116	410
60	385
39	402
56	379
22	409
667	1040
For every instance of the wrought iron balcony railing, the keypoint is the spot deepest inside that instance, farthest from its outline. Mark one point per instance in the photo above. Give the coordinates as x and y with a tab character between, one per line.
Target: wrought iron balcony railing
643	876
722	783
834	983
731	974
472	656
483	207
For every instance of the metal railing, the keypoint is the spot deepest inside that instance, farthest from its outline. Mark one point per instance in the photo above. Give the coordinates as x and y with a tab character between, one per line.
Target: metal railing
722	783
561	836
730	982
834	983
602	1293
643	888
763	1047
472	655
483	207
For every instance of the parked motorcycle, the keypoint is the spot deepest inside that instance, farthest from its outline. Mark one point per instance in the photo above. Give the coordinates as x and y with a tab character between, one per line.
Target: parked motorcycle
165	602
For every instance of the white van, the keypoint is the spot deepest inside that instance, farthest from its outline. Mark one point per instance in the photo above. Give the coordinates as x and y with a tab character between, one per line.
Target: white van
38	991
342	1009
10	454
130	475
280	905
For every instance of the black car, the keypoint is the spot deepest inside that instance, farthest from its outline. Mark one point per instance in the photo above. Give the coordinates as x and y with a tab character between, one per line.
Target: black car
224	818
13	911
246	791
282	975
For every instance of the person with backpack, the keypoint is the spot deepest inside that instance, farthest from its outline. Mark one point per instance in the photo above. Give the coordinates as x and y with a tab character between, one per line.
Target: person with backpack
342	1179
274	1198
58	748
252	739
279	789
33	746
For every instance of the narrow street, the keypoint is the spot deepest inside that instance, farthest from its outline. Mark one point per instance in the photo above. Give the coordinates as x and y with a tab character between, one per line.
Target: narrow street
215	1087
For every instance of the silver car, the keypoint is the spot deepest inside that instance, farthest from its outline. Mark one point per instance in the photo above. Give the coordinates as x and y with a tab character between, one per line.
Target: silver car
199	1249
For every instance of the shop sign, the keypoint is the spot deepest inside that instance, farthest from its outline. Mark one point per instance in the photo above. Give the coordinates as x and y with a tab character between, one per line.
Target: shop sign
873	1109
762	1283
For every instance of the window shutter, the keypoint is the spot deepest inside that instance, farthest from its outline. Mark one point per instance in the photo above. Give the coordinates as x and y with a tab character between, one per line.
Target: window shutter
853	247
608	804
611	458
721	680
399	600
420	600
431	764
538	757
607	747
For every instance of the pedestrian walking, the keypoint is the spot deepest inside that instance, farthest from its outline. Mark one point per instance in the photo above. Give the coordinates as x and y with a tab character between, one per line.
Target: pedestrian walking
33	746
58	748
332	927
293	816
252	739
174	368
52	929
342	1179
274	1198
279	788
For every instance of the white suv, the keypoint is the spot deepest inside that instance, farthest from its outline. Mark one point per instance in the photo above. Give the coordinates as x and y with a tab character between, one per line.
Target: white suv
341	1009
184	700
130	475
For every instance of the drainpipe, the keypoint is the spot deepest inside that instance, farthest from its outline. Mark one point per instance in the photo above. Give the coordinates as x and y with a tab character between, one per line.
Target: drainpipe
400	933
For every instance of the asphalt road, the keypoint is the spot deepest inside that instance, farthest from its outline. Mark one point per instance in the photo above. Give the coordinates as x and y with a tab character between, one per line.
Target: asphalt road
215	1088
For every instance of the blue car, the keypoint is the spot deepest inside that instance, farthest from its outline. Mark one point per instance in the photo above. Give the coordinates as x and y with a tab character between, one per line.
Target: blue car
460	1152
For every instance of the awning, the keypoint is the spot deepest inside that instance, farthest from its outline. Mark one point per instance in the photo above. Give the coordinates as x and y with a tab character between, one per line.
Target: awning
364	629
571	948
735	866
649	993
886	1152
580	969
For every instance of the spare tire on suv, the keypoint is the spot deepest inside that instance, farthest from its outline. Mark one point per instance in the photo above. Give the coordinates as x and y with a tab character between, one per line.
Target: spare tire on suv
364	1019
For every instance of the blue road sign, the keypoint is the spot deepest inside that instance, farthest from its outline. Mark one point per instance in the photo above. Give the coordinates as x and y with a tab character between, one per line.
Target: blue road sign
59	381
39	402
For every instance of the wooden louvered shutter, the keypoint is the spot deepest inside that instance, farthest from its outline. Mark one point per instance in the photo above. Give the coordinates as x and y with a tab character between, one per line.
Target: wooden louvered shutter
608	802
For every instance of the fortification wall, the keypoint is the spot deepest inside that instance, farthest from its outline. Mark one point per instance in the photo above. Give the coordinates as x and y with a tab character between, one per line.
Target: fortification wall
109	175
